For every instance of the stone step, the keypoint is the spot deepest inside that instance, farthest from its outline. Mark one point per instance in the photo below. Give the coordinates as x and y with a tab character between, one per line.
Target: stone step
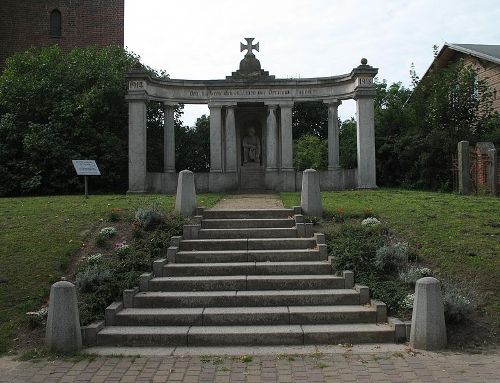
287	232
247	223
130	336
246	268
225	256
244	282
251	316
247	213
247	244
189	299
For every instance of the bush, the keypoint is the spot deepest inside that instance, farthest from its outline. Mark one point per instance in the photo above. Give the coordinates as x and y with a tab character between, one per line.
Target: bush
114	215
354	247
108	232
392	292
413	273
92	276
458	304
393	257
150	217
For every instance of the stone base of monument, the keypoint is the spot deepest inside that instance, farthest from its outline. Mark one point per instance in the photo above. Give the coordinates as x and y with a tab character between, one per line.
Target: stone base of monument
252	177
222	182
250	278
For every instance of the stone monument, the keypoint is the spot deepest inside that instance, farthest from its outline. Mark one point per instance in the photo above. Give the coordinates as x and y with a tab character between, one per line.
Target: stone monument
258	158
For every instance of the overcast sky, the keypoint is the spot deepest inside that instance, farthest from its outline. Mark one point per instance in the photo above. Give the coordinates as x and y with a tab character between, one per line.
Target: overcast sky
199	39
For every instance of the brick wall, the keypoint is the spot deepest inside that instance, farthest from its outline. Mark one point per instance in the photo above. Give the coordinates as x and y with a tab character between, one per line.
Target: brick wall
25	23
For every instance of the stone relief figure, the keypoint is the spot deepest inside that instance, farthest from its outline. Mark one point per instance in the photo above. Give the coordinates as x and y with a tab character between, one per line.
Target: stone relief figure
251	147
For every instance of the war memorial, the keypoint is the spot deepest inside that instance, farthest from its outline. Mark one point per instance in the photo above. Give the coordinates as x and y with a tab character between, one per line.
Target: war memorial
251	128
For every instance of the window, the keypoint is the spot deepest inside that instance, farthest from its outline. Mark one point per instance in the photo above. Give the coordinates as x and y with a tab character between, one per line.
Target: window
55	23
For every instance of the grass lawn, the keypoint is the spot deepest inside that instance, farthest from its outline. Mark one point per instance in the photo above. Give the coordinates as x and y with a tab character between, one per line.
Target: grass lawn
457	236
38	235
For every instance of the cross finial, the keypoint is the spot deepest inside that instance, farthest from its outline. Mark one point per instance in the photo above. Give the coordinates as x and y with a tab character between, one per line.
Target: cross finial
249	46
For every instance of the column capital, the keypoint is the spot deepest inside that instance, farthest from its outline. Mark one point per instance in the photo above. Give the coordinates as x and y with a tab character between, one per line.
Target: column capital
271	106
231	105
332	102
170	103
215	105
286	104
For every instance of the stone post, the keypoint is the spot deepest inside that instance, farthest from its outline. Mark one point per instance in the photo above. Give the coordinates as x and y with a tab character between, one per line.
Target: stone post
137	146
286	137
310	198
492	171
169	138
271	141
63	332
231	146
333	135
428	329
185	200
366	142
215	138
464	180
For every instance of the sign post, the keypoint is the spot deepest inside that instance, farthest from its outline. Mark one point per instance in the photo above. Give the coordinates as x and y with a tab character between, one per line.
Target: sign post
86	168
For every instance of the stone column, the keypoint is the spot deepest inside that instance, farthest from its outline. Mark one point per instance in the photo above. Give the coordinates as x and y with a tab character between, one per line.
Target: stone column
492	171
271	139
333	135
215	138
137	146
464	179
366	142
231	146
286	137
169	138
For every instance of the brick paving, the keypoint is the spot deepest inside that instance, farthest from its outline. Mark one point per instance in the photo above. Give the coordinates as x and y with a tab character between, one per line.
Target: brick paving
391	367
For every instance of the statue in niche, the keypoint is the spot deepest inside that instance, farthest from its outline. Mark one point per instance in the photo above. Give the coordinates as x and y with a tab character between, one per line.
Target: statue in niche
251	147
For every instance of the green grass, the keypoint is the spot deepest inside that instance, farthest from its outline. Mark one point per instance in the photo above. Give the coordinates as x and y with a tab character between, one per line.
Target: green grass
38	236
458	236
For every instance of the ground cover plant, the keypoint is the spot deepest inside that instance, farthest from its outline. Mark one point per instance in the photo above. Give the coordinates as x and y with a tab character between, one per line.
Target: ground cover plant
39	240
455	238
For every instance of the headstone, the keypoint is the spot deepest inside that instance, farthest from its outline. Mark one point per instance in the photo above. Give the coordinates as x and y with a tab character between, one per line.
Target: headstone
428	329
310	200
185	201
464	180
63	332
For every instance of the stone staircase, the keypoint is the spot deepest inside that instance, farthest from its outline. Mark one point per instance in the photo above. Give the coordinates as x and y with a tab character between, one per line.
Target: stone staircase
245	277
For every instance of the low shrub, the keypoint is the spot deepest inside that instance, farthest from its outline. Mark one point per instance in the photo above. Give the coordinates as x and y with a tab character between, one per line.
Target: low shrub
312	219
90	277
36	318
458	304
370	221
392	292
108	232
392	257
115	214
150	217
413	273
354	247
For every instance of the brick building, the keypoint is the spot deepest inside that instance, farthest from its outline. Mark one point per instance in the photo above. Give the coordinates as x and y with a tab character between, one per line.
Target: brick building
68	23
484	58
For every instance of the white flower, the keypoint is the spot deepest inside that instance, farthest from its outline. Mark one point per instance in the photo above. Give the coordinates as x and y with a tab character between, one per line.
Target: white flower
370	221
94	258
108	231
408	301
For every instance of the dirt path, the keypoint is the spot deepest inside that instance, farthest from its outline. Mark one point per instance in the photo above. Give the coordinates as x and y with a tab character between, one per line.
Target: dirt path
250	201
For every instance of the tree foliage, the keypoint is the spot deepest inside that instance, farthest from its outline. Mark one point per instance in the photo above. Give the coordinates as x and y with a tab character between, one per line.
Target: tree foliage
193	146
55	107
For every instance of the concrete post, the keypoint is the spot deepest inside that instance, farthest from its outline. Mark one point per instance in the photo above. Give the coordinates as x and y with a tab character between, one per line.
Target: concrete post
215	138
231	146
169	138
492	171
271	141
428	329
310	198
137	146
286	137
63	332
366	142
333	135
185	200
464	180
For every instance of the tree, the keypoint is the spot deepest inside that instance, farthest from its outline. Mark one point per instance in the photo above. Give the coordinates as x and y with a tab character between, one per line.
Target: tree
193	146
57	106
310	118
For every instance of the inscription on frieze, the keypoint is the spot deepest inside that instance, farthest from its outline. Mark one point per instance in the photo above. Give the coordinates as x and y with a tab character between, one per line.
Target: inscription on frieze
136	85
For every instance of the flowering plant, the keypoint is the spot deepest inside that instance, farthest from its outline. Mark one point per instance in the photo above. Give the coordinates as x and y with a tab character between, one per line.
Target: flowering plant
108	232
370	221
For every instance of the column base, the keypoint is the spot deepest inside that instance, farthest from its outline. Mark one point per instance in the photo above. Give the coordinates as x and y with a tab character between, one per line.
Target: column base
132	192
332	167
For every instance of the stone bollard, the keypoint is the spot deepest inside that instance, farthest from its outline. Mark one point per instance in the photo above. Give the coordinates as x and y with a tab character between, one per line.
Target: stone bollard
310	198
428	330
63	332
185	201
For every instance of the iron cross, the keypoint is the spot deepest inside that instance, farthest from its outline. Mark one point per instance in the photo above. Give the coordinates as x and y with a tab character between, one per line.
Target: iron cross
249	47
